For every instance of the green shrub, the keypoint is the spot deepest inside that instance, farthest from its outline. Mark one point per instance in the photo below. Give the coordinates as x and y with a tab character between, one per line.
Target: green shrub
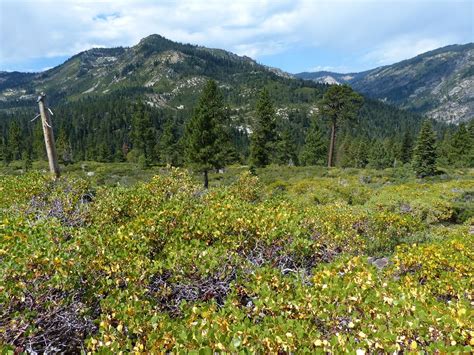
165	266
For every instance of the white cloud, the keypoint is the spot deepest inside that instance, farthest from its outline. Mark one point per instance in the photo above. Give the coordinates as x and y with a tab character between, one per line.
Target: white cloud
382	30
405	47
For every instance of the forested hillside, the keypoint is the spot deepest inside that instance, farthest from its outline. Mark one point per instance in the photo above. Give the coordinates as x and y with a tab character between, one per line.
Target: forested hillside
94	95
438	83
102	97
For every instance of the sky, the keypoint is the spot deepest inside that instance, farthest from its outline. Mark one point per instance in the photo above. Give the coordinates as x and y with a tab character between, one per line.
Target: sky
294	35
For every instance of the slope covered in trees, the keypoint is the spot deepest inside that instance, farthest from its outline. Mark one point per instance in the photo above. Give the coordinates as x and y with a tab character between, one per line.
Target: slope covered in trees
107	123
94	96
437	83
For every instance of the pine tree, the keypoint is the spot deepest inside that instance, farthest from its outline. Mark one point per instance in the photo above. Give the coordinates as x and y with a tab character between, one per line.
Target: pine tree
143	134
406	148
392	148
470	152
460	146
315	146
4	152
205	140
340	103
286	148
167	148
361	156
104	154
26	160
379	158
39	149
15	146
263	138
63	147
424	153
345	156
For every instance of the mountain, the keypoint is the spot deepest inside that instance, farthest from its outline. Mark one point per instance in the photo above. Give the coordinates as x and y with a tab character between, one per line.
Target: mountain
94	92
163	70
439	83
166	74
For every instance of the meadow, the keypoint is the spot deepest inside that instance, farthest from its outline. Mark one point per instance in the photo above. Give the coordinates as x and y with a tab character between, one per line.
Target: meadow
112	258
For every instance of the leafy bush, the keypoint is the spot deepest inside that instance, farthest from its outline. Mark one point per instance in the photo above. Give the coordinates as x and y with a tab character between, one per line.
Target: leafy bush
166	266
429	202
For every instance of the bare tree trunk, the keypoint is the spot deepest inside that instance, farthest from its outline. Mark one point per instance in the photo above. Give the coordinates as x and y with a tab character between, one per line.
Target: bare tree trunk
206	180
331	145
48	137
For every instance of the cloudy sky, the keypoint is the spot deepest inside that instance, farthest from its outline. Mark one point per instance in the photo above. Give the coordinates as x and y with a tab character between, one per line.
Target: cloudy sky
295	35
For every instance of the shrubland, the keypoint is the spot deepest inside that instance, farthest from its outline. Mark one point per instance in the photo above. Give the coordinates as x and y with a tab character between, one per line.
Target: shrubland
294	259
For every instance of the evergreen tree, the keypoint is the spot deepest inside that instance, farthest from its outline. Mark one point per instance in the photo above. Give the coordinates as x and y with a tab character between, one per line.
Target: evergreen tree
104	154
340	103
4	152
39	149
460	147
143	134
346	152
26	159
263	138
15	141
378	158
168	148
406	148
470	152
63	147
315	146
361	155
286	148
392	147
205	140
424	153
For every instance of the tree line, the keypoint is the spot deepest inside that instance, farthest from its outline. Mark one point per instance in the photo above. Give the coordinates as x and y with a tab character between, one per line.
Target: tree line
344	131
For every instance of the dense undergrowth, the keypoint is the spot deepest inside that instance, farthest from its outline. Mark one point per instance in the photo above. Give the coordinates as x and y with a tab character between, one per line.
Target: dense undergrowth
338	261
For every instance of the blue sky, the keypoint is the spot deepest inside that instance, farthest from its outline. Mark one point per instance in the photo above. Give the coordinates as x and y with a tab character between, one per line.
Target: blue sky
294	35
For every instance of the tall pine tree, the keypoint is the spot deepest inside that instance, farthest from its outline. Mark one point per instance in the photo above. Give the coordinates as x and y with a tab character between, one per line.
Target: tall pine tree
205	140
340	103
264	135
424	153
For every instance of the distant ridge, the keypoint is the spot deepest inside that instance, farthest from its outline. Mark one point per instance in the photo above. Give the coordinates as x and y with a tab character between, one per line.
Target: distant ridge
438	83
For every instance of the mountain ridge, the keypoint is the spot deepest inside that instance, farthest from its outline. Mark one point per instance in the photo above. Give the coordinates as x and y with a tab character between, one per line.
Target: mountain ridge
151	62
94	95
438	83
